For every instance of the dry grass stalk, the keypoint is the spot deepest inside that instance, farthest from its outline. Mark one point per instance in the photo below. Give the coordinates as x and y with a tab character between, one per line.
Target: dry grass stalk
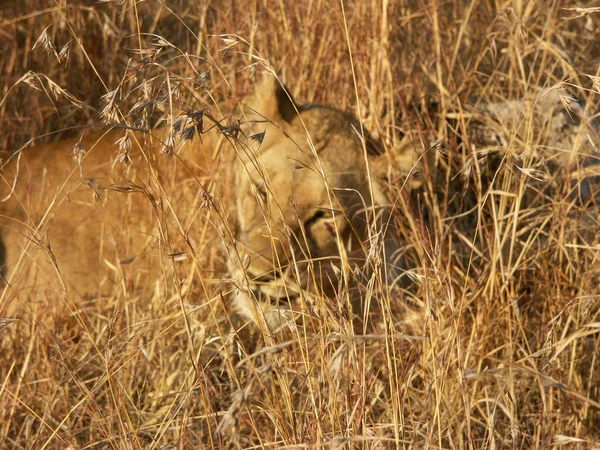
495	344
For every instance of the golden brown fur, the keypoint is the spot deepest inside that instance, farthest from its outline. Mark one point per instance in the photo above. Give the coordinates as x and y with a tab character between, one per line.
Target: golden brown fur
304	205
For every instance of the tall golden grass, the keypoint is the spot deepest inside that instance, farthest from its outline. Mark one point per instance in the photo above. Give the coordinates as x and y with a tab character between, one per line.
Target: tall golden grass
496	345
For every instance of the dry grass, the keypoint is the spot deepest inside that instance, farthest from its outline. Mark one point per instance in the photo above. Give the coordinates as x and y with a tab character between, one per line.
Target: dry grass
497	344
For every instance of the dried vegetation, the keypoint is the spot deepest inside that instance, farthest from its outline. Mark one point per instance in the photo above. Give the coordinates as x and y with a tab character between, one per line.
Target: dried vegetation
497	343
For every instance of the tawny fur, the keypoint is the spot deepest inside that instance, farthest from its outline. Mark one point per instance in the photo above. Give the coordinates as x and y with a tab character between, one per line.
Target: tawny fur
303	199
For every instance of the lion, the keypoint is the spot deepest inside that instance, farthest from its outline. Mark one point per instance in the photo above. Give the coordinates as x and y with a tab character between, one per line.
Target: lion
307	206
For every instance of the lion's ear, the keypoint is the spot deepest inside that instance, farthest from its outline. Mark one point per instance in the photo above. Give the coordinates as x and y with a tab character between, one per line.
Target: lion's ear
272	101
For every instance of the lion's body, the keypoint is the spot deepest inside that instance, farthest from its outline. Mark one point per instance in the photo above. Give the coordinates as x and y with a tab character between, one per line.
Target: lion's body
302	202
63	224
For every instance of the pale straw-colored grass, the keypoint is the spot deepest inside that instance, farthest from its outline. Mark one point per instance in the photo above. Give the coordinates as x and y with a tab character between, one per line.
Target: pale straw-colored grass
494	345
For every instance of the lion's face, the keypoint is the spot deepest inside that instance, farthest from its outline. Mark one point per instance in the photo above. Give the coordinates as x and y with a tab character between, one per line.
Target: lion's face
306	208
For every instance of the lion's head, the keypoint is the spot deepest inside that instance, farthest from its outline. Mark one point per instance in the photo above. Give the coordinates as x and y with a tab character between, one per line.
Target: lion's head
310	204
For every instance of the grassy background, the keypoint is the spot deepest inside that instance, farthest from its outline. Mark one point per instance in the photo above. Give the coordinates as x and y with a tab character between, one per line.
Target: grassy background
490	349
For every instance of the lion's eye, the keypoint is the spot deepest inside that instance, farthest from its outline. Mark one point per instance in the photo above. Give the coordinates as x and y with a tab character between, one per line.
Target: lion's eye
320	215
